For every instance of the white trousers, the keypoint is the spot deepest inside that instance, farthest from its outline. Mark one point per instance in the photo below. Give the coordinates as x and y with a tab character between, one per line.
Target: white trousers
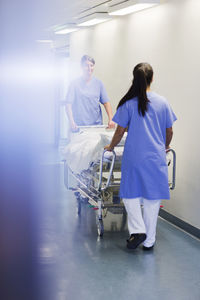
146	223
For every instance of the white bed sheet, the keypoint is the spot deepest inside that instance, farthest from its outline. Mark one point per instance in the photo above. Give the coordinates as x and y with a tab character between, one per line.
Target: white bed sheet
87	146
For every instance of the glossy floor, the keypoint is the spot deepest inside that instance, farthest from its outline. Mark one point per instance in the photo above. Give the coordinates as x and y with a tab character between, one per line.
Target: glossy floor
77	264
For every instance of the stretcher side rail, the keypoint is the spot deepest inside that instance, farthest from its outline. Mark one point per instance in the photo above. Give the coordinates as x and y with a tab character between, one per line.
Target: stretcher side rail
172	185
110	171
67	169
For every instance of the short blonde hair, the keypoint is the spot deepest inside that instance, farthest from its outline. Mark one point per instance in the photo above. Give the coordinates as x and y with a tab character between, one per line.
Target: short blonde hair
87	57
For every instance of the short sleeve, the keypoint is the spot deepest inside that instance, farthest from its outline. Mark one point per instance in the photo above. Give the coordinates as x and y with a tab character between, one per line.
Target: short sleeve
103	95
170	116
122	116
70	94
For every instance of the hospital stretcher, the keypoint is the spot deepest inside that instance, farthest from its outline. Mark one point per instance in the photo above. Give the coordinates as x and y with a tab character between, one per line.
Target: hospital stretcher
99	184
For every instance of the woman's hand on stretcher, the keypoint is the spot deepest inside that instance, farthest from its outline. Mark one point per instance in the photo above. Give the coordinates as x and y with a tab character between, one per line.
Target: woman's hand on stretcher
111	124
108	148
74	127
119	132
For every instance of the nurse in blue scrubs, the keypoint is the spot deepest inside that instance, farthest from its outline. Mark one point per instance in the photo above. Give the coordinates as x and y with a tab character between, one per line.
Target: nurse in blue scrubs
149	119
85	96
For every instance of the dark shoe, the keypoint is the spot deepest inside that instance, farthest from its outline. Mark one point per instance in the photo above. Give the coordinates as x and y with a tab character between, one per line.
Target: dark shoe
135	240
131	238
147	248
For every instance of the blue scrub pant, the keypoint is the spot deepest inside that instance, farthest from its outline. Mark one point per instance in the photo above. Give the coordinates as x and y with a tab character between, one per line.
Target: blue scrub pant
146	223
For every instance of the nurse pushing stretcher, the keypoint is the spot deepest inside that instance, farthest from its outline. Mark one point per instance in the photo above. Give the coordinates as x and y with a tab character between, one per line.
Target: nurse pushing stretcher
84	97
144	171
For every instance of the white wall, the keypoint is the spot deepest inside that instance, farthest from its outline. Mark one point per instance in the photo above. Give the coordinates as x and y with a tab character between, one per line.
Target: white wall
166	36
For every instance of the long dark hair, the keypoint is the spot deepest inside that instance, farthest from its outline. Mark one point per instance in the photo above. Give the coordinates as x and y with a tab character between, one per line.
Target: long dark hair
142	78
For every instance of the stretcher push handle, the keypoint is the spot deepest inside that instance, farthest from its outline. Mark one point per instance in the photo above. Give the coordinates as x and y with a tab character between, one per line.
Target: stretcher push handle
92	126
110	172
78	128
173	168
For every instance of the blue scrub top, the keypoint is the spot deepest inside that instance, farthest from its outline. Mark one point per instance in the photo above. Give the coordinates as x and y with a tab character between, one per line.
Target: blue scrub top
144	167
85	99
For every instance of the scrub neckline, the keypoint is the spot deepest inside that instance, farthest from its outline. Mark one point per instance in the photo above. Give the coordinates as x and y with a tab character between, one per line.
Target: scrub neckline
85	82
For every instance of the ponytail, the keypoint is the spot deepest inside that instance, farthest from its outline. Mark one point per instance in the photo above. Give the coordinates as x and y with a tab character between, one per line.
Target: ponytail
143	74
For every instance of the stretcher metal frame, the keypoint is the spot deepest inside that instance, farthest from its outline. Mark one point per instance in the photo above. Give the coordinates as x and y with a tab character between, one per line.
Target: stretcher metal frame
100	191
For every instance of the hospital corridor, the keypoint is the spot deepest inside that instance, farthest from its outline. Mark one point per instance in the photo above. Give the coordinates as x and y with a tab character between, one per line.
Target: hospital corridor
99	150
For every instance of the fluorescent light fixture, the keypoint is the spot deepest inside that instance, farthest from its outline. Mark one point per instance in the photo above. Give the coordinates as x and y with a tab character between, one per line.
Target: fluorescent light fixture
65	30
94	19
92	22
129	7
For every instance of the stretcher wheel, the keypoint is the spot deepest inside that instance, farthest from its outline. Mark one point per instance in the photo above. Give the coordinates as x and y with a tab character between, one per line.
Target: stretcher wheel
100	227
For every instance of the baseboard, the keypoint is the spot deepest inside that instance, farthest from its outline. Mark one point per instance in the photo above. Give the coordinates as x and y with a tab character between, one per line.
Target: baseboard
180	223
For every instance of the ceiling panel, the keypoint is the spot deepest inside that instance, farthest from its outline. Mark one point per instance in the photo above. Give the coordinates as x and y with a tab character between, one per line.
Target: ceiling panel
69	11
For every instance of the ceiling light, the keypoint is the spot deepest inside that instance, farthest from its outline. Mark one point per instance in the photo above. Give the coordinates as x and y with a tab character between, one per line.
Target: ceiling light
65	30
131	6
94	19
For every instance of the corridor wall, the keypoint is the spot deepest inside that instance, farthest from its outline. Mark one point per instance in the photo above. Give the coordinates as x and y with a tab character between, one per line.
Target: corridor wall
166	36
